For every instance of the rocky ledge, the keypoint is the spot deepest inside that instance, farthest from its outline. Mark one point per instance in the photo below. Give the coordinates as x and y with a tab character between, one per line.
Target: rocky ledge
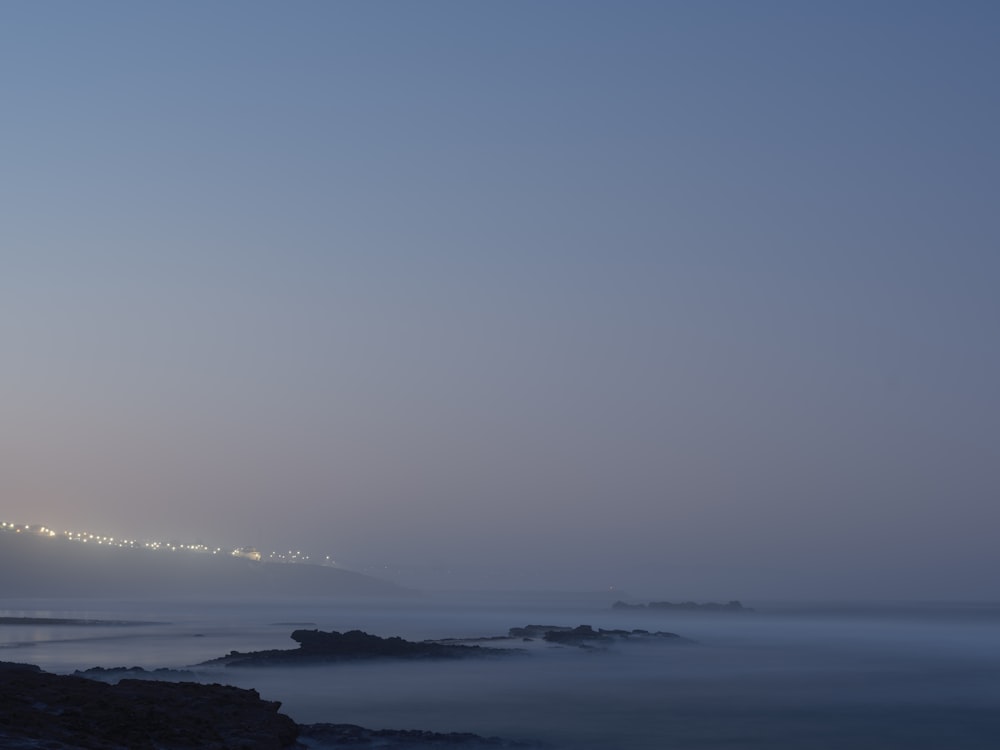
350	735
318	647
114	674
584	636
56	712
43	711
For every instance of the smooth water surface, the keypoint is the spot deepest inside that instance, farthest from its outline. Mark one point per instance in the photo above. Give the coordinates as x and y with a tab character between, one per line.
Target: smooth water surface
781	677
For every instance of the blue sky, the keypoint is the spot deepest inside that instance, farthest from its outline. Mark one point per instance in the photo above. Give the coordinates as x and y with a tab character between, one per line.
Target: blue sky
685	298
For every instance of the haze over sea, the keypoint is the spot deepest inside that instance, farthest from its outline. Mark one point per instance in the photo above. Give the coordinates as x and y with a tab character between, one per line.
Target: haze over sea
786	676
566	294
650	300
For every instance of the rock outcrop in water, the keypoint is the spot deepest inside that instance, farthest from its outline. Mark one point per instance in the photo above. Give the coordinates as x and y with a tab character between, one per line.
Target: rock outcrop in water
585	636
318	647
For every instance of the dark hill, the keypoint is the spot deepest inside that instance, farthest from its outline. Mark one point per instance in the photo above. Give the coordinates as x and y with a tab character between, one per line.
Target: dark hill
34	566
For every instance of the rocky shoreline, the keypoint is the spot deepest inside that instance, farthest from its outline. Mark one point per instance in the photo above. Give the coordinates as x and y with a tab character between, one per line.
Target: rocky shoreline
58	712
132	708
44	711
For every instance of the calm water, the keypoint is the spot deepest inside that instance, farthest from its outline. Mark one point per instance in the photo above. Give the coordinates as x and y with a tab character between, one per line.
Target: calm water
918	676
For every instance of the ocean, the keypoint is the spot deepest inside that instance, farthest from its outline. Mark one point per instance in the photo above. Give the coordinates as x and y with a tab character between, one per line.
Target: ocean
907	676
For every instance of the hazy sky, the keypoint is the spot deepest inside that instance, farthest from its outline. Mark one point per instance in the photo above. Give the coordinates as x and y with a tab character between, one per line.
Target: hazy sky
699	299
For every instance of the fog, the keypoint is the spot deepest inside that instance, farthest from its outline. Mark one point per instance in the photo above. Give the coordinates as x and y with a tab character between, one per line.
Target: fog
689	300
527	307
861	676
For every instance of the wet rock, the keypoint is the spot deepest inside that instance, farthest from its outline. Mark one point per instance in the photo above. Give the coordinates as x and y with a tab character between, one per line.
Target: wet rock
584	636
534	631
350	735
43	710
114	674
319	647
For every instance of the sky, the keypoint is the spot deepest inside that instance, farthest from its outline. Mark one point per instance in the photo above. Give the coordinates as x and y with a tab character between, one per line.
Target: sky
683	299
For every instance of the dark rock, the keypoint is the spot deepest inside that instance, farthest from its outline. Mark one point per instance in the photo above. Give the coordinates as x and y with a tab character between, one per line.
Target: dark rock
319	647
584	636
114	674
13	666
480	639
534	631
578	636
350	735
56	711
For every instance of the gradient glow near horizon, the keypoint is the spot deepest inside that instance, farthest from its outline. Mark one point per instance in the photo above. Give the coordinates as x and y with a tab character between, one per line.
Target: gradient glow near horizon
691	299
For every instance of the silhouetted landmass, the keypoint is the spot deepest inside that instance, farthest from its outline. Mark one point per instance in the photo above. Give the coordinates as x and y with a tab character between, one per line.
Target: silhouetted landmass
318	647
733	606
586	637
34	566
72	621
43	711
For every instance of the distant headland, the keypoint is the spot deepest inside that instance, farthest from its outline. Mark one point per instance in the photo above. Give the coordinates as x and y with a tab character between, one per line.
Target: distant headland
36	563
